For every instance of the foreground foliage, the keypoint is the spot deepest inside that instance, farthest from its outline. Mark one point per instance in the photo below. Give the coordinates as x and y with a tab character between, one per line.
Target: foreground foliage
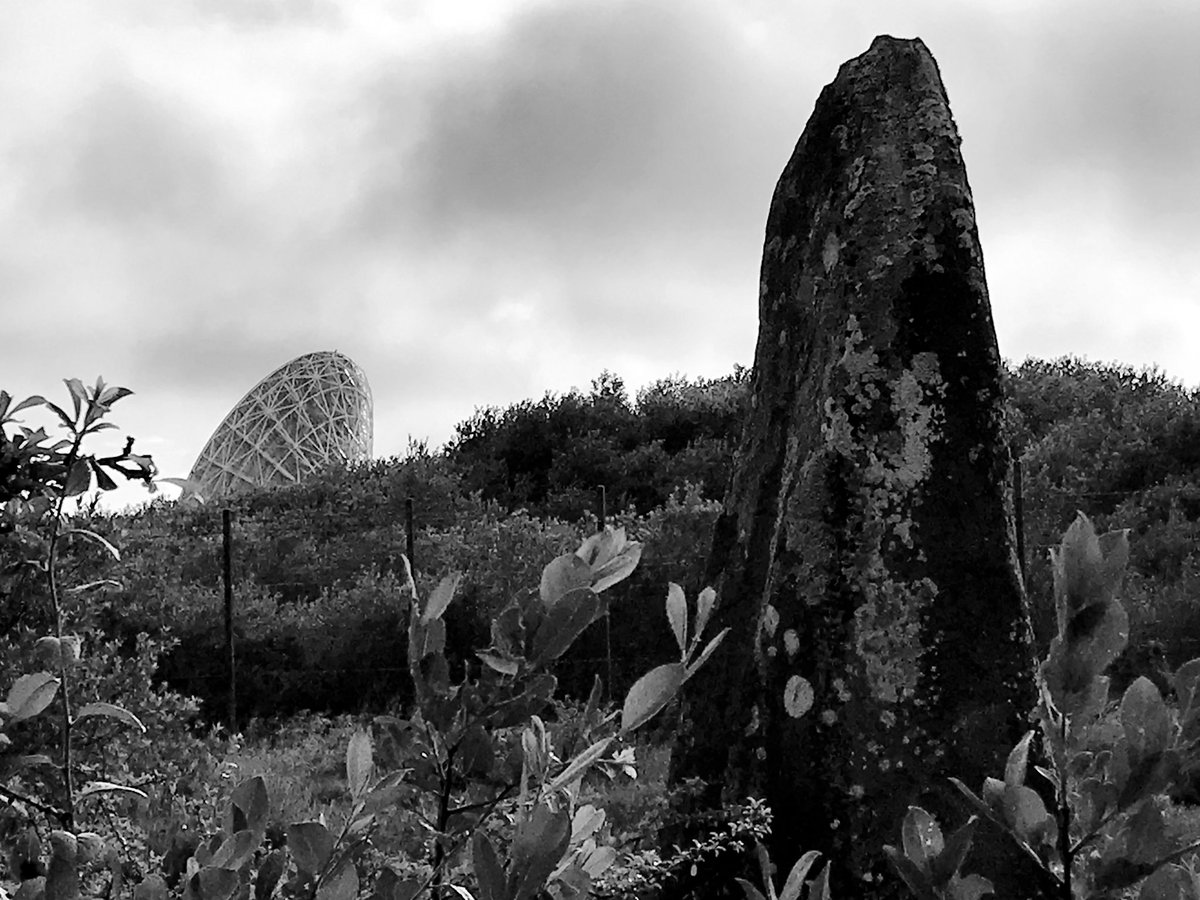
1102	828
476	762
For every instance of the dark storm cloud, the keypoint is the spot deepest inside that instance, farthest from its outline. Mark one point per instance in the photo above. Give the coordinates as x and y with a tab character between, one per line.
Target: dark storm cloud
591	123
132	156
612	161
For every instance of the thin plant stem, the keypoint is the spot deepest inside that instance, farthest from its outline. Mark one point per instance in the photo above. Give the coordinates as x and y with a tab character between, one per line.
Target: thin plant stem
68	819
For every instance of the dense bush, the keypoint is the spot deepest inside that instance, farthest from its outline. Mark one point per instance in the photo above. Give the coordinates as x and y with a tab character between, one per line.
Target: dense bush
1121	443
550	456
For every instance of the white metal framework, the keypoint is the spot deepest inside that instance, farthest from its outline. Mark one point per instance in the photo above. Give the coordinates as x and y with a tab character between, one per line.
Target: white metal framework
305	415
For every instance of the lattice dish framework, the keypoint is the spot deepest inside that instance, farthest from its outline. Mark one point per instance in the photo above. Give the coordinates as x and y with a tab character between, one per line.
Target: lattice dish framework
311	412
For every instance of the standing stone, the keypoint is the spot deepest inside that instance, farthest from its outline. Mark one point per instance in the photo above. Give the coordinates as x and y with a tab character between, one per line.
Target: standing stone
865	558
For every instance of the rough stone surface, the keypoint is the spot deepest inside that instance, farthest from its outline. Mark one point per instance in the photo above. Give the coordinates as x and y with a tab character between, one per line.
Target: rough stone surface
865	558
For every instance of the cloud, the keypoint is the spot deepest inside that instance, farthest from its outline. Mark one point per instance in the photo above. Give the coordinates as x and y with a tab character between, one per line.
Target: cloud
582	125
482	201
130	157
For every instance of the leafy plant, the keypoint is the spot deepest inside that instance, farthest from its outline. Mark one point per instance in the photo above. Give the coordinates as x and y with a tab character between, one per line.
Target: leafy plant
38	475
476	760
1104	829
817	888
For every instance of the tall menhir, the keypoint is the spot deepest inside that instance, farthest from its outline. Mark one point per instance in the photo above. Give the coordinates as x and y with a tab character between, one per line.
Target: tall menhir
865	558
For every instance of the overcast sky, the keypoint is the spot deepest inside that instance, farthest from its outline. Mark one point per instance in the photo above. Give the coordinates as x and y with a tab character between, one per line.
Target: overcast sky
480	202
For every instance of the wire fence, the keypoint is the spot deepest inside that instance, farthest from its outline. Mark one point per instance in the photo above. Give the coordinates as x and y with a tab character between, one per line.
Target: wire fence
598	656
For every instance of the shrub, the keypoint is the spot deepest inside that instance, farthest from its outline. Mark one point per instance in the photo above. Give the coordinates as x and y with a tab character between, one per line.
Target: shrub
475	755
53	772
1103	829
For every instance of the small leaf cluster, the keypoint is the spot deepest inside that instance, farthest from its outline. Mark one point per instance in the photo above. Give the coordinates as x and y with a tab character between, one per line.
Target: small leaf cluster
37	469
731	831
1092	824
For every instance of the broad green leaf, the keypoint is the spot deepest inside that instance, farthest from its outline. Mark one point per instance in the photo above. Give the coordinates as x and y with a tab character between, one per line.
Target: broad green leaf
677	617
921	837
597	549
1145	720
598	861
1073	665
268	874
542	837
704	608
250	805
111	395
586	822
311	845
111	711
489	872
1146	835
92	788
1018	760
216	884
1026	814
62	877
35	400
30	694
476	752
765	869
235	850
650	694
384	796
617	569
562	575
567	619
48	651
78	393
79	479
359	763
819	888
103	481
1087	569
578	766
341	883
440	599
795	880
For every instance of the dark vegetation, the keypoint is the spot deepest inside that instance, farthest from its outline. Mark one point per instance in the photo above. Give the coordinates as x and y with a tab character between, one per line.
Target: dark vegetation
319	571
317	566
